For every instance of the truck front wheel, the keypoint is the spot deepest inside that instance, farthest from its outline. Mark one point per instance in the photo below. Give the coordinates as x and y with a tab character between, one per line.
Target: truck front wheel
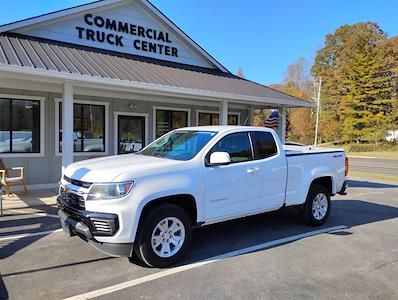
316	208
164	236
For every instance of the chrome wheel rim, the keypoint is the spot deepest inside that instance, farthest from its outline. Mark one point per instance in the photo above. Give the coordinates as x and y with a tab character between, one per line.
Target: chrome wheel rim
320	206
168	237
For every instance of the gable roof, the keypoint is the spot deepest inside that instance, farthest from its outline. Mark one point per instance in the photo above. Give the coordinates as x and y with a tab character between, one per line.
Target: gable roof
102	3
36	56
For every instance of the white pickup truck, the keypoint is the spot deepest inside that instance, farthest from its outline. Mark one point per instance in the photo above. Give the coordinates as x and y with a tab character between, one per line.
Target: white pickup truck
147	204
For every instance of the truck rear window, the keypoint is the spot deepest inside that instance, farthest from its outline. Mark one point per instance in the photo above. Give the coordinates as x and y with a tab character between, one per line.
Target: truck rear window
263	144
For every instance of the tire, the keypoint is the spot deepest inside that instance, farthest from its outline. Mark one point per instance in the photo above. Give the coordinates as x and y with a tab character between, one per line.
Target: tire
177	237
316	208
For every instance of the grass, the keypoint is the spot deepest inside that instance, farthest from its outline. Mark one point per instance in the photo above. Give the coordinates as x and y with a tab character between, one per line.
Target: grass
372	176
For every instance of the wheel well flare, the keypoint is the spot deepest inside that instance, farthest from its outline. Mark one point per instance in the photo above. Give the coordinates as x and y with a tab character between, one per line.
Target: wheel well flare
326	182
185	201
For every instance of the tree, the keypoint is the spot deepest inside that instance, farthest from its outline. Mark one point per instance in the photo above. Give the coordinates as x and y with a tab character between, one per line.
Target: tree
302	120
298	82
367	101
239	73
298	76
389	50
356	91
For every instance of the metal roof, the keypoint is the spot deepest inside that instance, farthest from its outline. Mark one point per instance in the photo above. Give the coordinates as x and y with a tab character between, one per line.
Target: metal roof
33	53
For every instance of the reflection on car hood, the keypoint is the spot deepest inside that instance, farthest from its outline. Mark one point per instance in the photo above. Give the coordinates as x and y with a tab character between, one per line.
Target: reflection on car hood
106	169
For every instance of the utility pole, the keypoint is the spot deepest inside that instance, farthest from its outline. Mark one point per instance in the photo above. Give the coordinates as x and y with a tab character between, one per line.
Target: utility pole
317	88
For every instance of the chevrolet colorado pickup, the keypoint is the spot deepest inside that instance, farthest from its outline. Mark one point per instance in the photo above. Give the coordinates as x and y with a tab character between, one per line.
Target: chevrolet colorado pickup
147	204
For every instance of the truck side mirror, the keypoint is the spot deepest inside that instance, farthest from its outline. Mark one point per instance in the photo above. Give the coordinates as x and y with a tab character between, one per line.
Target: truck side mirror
219	159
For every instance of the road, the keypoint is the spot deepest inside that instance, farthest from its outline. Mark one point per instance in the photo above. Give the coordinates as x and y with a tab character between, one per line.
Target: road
291	261
374	165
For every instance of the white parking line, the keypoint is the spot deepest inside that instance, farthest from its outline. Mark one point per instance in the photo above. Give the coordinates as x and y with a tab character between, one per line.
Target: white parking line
135	282
25	235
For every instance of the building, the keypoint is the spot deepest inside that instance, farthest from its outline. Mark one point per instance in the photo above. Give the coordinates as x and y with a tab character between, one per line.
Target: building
107	78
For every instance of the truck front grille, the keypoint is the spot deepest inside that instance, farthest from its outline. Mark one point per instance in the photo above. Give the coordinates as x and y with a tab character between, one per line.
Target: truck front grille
72	200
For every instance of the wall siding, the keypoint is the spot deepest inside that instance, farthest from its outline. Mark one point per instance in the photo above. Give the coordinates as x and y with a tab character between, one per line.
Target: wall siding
47	169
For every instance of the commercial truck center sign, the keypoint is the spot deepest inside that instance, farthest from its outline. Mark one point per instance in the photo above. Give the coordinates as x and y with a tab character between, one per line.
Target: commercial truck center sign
159	43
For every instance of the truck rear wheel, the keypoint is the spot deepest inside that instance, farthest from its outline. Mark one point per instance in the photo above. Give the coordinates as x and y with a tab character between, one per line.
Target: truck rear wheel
164	237
316	208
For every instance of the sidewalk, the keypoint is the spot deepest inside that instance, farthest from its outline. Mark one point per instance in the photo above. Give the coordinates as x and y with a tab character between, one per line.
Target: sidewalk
33	199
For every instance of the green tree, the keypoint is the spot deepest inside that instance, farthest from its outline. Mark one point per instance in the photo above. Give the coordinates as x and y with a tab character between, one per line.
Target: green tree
389	49
355	93
367	100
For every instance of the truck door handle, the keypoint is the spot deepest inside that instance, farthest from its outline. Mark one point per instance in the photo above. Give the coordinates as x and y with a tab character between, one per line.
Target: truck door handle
252	170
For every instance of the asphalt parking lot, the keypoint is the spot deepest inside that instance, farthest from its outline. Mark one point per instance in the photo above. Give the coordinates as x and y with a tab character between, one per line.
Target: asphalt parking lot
289	261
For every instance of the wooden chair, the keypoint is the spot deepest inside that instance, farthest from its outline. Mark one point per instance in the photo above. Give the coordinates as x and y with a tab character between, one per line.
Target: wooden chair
12	181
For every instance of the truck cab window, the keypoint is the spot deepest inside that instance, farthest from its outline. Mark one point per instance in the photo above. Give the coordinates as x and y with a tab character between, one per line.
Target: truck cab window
263	144
236	144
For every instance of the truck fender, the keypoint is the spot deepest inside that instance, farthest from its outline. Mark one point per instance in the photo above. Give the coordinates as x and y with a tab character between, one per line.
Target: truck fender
159	196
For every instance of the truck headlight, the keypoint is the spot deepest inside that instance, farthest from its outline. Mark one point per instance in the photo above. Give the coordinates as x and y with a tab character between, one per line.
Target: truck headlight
100	191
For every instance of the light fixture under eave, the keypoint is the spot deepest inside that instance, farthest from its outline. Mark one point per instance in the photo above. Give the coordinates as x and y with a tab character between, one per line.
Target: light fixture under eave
132	106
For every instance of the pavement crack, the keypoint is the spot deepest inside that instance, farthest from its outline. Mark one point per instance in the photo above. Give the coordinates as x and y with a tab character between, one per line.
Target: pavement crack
382	265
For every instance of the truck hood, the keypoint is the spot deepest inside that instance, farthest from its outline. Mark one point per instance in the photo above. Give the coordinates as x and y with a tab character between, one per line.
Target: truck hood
107	169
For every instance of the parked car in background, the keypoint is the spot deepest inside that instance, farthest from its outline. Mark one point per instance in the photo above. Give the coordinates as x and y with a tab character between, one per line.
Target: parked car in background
21	142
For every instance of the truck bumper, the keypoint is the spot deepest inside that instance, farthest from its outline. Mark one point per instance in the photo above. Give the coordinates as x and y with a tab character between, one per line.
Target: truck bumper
80	223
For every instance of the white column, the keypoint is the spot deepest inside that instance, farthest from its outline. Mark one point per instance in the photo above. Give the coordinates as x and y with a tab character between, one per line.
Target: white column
67	126
224	113
282	124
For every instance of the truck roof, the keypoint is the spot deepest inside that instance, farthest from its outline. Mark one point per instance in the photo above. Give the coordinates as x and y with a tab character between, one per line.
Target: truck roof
224	128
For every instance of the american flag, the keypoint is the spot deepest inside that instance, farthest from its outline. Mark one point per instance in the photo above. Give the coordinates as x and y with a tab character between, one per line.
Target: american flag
272	120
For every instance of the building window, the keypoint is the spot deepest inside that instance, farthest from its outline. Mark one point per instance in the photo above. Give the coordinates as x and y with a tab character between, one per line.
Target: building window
167	120
213	118
88	128
233	119
19	126
208	119
130	134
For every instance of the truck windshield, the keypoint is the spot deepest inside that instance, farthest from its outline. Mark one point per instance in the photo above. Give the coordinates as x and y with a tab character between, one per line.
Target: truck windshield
179	145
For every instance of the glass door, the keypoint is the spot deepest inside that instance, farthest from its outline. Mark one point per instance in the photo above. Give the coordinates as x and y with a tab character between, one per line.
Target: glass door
131	134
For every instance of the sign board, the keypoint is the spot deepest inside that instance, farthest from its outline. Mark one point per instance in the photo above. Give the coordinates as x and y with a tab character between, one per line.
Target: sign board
128	28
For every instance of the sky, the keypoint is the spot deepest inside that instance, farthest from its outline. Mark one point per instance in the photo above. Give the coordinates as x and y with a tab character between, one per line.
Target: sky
261	36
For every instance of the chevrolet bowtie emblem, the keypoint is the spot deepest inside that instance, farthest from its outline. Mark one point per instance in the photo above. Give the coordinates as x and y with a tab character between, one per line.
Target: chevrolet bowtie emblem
66	188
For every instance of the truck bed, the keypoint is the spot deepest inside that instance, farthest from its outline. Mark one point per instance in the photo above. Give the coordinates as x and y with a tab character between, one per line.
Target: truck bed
292	150
306	162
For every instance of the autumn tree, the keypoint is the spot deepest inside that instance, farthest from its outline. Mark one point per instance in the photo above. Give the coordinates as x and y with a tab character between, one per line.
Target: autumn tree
389	49
240	73
298	76
356	97
302	120
298	82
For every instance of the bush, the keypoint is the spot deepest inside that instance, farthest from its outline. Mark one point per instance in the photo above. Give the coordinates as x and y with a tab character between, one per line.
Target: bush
362	147
371	147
